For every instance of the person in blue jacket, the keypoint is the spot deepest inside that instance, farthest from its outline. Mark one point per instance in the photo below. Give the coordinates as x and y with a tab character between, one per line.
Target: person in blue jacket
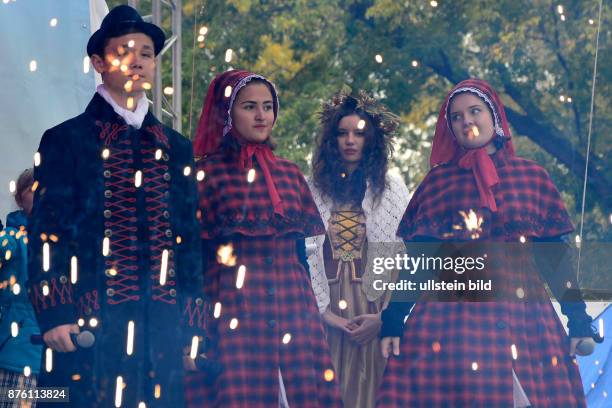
19	358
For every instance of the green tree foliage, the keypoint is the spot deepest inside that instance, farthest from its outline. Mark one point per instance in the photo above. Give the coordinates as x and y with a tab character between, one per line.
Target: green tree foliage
531	54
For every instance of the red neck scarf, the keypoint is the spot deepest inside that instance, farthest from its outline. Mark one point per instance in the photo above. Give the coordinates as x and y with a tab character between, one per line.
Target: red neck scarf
446	149
216	123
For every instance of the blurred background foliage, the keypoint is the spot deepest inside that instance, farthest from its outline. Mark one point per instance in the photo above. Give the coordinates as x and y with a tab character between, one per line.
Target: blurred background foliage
539	55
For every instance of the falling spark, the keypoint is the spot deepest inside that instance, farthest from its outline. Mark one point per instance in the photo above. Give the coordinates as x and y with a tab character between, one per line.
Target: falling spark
233	323
560	9
93	322
435	346
601	327
130	103
128	86
164	267
217	311
378	58
203	30
33	65
37	160
474	366
187	170
48	360
14	329
228	55
562	17
12	186
105	154
195	344
286	338
328	375
240	277
131	43
157	392
73	270
45	290
200	175
27	371
81	322
16	289
514	352
130	338
53	22
415	63
225	255
342	304
106	246
147	86
228	91
475	131
118	391
46	261
251	175
138	179
158	154
361	124
169	90
523	239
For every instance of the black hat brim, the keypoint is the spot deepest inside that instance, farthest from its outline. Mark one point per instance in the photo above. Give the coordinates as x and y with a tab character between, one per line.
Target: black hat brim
96	41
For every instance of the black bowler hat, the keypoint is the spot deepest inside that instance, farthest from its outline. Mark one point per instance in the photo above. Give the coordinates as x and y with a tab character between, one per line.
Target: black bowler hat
115	24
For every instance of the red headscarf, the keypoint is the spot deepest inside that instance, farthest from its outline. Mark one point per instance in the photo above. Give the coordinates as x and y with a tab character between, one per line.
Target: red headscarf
216	123
446	149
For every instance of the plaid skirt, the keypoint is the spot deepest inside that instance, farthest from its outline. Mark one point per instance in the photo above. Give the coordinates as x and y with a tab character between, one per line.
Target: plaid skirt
10	380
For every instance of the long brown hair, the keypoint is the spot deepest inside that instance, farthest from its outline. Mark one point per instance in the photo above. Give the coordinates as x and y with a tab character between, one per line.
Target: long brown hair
329	171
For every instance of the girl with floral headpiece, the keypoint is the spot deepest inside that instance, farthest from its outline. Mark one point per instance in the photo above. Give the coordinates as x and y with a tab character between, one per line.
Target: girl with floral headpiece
500	348
361	204
255	211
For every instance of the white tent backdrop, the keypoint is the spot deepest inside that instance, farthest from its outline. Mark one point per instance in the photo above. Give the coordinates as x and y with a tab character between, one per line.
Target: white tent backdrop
45	77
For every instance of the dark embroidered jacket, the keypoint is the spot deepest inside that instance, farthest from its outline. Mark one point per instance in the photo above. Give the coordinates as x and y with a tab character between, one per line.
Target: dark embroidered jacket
114	237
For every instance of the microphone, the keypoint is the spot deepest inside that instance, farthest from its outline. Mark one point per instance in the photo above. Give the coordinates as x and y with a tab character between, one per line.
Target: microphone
585	347
84	339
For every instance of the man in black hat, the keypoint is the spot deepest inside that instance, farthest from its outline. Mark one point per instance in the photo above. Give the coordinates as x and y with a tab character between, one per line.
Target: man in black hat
114	247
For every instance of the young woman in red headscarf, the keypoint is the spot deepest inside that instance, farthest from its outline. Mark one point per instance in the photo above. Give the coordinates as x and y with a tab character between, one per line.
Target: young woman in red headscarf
255	211
500	348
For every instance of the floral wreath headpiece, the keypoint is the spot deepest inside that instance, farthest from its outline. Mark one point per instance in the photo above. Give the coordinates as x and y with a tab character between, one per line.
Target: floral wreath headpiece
381	117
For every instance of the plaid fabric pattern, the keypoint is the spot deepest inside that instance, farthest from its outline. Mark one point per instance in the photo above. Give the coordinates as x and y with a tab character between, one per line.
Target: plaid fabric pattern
528	204
10	380
461	354
229	203
277	321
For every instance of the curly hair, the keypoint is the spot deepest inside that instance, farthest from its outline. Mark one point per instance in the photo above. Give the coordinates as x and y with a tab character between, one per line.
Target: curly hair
329	171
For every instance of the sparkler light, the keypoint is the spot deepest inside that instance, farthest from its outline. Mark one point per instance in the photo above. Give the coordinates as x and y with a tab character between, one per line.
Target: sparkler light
225	255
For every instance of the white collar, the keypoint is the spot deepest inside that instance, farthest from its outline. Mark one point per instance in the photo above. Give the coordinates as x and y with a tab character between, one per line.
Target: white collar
131	118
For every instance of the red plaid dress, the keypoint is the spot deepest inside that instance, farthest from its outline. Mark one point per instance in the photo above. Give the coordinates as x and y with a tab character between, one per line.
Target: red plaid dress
461	354
272	321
